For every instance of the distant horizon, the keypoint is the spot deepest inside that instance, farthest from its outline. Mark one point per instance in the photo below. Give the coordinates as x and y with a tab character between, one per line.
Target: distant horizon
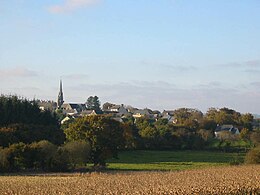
125	104
154	54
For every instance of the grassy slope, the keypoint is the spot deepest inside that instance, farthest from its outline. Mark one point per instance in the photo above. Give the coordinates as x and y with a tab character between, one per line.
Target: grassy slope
171	160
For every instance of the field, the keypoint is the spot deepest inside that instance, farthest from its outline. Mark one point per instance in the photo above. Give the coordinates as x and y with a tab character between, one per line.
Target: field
217	180
171	160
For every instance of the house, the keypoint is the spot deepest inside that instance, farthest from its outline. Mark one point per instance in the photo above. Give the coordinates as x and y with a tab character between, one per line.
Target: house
169	115
70	106
67	118
156	114
143	113
47	105
120	110
88	113
226	128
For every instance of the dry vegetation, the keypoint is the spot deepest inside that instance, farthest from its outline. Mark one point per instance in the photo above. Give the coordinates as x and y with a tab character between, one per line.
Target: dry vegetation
221	180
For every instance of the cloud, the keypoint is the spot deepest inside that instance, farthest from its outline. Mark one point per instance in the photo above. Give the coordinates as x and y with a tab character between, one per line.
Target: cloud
76	76
245	64
253	63
164	95
71	5
17	72
255	84
253	71
181	68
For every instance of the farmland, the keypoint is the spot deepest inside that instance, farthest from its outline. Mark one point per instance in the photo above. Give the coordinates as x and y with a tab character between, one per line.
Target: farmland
144	160
214	180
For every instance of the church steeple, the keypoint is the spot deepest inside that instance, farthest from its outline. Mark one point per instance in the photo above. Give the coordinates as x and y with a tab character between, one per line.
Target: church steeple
60	96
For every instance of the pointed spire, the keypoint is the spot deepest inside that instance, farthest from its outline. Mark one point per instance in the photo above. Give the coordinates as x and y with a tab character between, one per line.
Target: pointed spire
60	86
60	96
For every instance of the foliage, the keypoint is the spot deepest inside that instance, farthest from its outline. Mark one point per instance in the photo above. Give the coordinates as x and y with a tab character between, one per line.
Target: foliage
27	156
206	135
228	116
16	110
78	152
104	135
28	133
253	156
93	103
22	121
255	138
60	160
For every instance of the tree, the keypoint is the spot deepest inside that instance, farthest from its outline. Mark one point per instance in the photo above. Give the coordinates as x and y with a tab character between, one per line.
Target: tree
17	110
78	152
247	120
188	118
253	156
224	116
104	135
93	103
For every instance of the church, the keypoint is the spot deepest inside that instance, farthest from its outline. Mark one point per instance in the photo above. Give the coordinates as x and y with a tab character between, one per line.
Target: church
69	108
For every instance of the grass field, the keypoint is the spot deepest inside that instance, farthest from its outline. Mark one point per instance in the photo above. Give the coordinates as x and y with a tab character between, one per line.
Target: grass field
215	180
171	160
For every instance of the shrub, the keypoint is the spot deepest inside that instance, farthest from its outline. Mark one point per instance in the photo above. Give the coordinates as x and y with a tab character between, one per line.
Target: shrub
45	153
255	138
78	152
12	158
253	156
60	161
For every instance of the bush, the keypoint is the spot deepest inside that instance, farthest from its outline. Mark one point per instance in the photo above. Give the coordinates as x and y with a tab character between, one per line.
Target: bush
45	153
12	158
255	138
60	161
253	156
78	152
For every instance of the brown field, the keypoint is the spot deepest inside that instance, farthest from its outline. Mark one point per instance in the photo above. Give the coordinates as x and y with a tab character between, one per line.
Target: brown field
221	180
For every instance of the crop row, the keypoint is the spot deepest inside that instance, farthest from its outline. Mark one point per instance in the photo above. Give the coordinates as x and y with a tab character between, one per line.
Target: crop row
221	180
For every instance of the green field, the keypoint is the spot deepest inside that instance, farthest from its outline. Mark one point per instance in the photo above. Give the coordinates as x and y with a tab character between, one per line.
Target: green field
171	160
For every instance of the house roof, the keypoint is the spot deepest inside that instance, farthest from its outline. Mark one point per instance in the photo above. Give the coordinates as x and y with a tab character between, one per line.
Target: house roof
224	127
168	112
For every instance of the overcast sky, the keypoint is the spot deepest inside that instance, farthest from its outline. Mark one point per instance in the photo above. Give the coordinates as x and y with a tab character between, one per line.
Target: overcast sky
160	54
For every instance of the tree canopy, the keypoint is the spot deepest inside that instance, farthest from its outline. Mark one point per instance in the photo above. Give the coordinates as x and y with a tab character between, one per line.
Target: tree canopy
104	135
93	103
21	120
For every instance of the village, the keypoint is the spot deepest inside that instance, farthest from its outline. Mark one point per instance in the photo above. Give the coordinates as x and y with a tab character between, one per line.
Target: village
121	112
118	112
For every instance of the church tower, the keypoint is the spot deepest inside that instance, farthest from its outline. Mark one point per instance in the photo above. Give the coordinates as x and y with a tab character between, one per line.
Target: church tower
60	96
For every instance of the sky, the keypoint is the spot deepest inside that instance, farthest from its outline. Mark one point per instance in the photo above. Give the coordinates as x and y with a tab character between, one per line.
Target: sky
160	54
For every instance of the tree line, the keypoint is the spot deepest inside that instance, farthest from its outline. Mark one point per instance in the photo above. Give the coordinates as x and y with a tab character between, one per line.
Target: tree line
33	139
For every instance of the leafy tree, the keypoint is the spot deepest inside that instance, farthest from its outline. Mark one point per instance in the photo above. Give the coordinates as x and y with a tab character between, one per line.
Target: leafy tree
208	124
130	137
60	161
224	116
255	138
45	153
247	120
93	103
244	134
253	156
28	133
104	135
78	152
206	135
188	117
